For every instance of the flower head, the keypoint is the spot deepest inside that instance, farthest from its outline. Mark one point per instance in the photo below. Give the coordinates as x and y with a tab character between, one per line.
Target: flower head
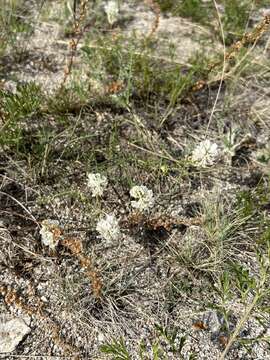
50	233
144	196
109	228
205	153
112	11
97	183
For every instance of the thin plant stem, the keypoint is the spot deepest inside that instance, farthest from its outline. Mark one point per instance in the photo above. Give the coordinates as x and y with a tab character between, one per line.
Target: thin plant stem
240	325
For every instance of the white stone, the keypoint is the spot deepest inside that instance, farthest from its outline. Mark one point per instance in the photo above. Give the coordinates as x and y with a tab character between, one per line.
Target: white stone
100	337
213	321
12	332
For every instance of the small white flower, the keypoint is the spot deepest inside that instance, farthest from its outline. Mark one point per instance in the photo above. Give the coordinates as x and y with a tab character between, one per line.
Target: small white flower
109	228
205	153
97	183
50	233
144	197
112	11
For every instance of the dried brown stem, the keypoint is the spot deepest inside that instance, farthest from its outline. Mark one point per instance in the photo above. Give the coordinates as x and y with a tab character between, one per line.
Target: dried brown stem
78	30
247	39
156	10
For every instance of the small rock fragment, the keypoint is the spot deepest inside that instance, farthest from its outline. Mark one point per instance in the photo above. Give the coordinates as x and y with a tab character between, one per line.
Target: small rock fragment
12	332
213	321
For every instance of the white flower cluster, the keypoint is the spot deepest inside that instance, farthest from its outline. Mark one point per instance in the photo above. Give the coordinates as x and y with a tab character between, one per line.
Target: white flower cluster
205	153
109	228
112	11
50	233
97	183
144	196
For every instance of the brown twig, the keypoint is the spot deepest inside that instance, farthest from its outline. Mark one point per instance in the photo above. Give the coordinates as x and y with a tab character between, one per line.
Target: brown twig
78	30
75	247
156	10
159	221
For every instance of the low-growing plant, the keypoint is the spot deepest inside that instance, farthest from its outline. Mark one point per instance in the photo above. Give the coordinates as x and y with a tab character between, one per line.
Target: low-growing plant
116	349
169	219
134	72
235	18
17	110
16	25
253	291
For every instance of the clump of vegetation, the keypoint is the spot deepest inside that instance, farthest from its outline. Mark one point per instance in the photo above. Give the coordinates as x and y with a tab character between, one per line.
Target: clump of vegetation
18	111
134	196
16	26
